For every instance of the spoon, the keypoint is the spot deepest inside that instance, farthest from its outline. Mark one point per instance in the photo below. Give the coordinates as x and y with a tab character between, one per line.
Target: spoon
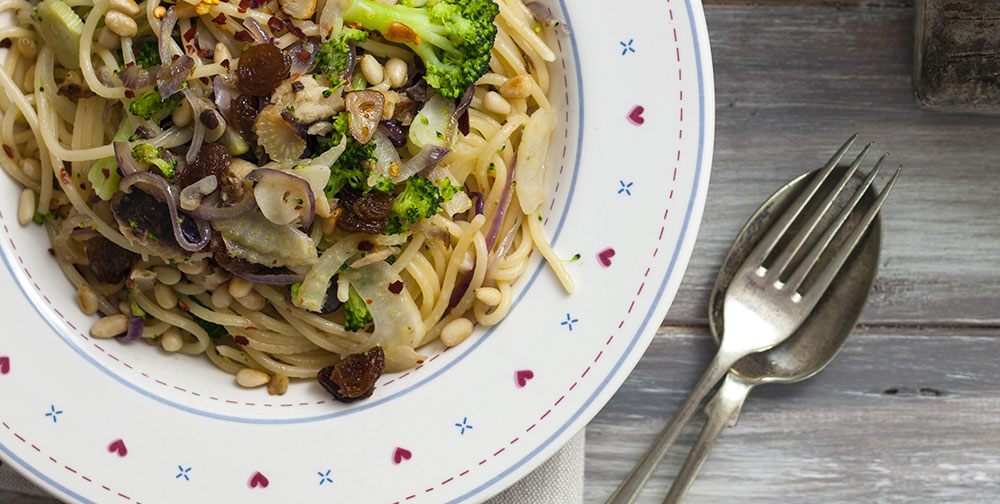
812	346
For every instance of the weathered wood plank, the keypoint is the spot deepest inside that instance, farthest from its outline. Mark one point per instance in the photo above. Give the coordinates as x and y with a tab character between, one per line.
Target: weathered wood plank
900	416
791	85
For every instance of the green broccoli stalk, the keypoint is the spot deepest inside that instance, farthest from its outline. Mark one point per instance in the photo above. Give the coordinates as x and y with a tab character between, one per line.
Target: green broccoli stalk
146	153
356	314
455	37
150	105
332	56
420	199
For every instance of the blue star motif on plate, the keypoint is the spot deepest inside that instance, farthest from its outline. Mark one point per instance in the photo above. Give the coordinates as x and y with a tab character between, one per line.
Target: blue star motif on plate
324	477
464	425
54	413
569	322
625	188
183	473
627	47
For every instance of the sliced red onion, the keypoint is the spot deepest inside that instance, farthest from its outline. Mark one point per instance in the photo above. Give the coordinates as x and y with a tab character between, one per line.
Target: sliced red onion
163	191
134	329
166	28
84	234
460	116
394	132
479	201
254	272
303	57
543	15
224	94
174	75
261	174
491	260
198	137
430	155
136	77
123	155
260	34
502	205
209	210
352	59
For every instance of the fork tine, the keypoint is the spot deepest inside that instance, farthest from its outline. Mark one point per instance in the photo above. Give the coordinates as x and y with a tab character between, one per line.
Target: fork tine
793	247
795	280
831	270
770	239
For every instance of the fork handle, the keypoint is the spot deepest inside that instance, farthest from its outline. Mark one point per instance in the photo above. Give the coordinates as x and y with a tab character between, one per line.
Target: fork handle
629	489
723	411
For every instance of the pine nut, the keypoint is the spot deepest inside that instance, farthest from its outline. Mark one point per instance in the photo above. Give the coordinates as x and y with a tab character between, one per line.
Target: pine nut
127	6
167	275
121	24
221	53
26	207
489	296
172	340
125	308
159	12
87	298
517	87
252	301
456	331
182	114
165	296
142	277
278	385
221	297
109	327
396	70
495	103
192	267
32	167
372	70
27	47
239	287
250	378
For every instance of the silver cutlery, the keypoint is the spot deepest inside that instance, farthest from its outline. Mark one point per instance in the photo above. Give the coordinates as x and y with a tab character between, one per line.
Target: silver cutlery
771	294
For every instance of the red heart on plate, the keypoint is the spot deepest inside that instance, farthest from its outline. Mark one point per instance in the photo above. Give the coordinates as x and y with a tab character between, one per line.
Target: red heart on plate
635	115
400	454
118	446
4	364
605	256
258	480
521	377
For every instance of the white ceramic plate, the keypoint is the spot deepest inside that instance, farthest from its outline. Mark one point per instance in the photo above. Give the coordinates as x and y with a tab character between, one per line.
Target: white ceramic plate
103	421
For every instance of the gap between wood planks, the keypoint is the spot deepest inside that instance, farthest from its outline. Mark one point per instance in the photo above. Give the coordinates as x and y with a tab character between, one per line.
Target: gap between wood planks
990	327
810	4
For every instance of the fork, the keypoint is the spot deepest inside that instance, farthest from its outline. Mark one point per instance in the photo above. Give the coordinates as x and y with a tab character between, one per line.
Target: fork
763	303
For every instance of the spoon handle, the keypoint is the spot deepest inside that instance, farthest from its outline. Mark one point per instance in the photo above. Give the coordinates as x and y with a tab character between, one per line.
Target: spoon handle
629	489
723	410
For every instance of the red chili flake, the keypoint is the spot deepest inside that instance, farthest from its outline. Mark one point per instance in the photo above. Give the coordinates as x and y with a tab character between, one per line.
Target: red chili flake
294	30
7	150
369	301
225	63
206	53
183	306
176	57
191	49
64	176
252	328
245	4
106	172
242	10
129	94
275	24
220	19
52	252
5	43
190	34
243	36
396	287
303	56
130	64
242	340
365	245
205	81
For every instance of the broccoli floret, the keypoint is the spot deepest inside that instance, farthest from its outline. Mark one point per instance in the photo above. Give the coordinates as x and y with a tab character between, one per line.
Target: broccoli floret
147	54
447	190
150	104
420	199
385	185
356	314
349	169
146	153
455	37
332	57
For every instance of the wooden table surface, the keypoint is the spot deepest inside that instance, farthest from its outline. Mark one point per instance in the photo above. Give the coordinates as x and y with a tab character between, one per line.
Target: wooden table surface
908	412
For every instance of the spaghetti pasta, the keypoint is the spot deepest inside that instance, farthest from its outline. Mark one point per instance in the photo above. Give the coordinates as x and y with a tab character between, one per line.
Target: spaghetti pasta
374	227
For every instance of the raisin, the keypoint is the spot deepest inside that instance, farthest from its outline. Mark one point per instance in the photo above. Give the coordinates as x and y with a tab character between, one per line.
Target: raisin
109	262
354	376
364	214
261	69
242	115
213	159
